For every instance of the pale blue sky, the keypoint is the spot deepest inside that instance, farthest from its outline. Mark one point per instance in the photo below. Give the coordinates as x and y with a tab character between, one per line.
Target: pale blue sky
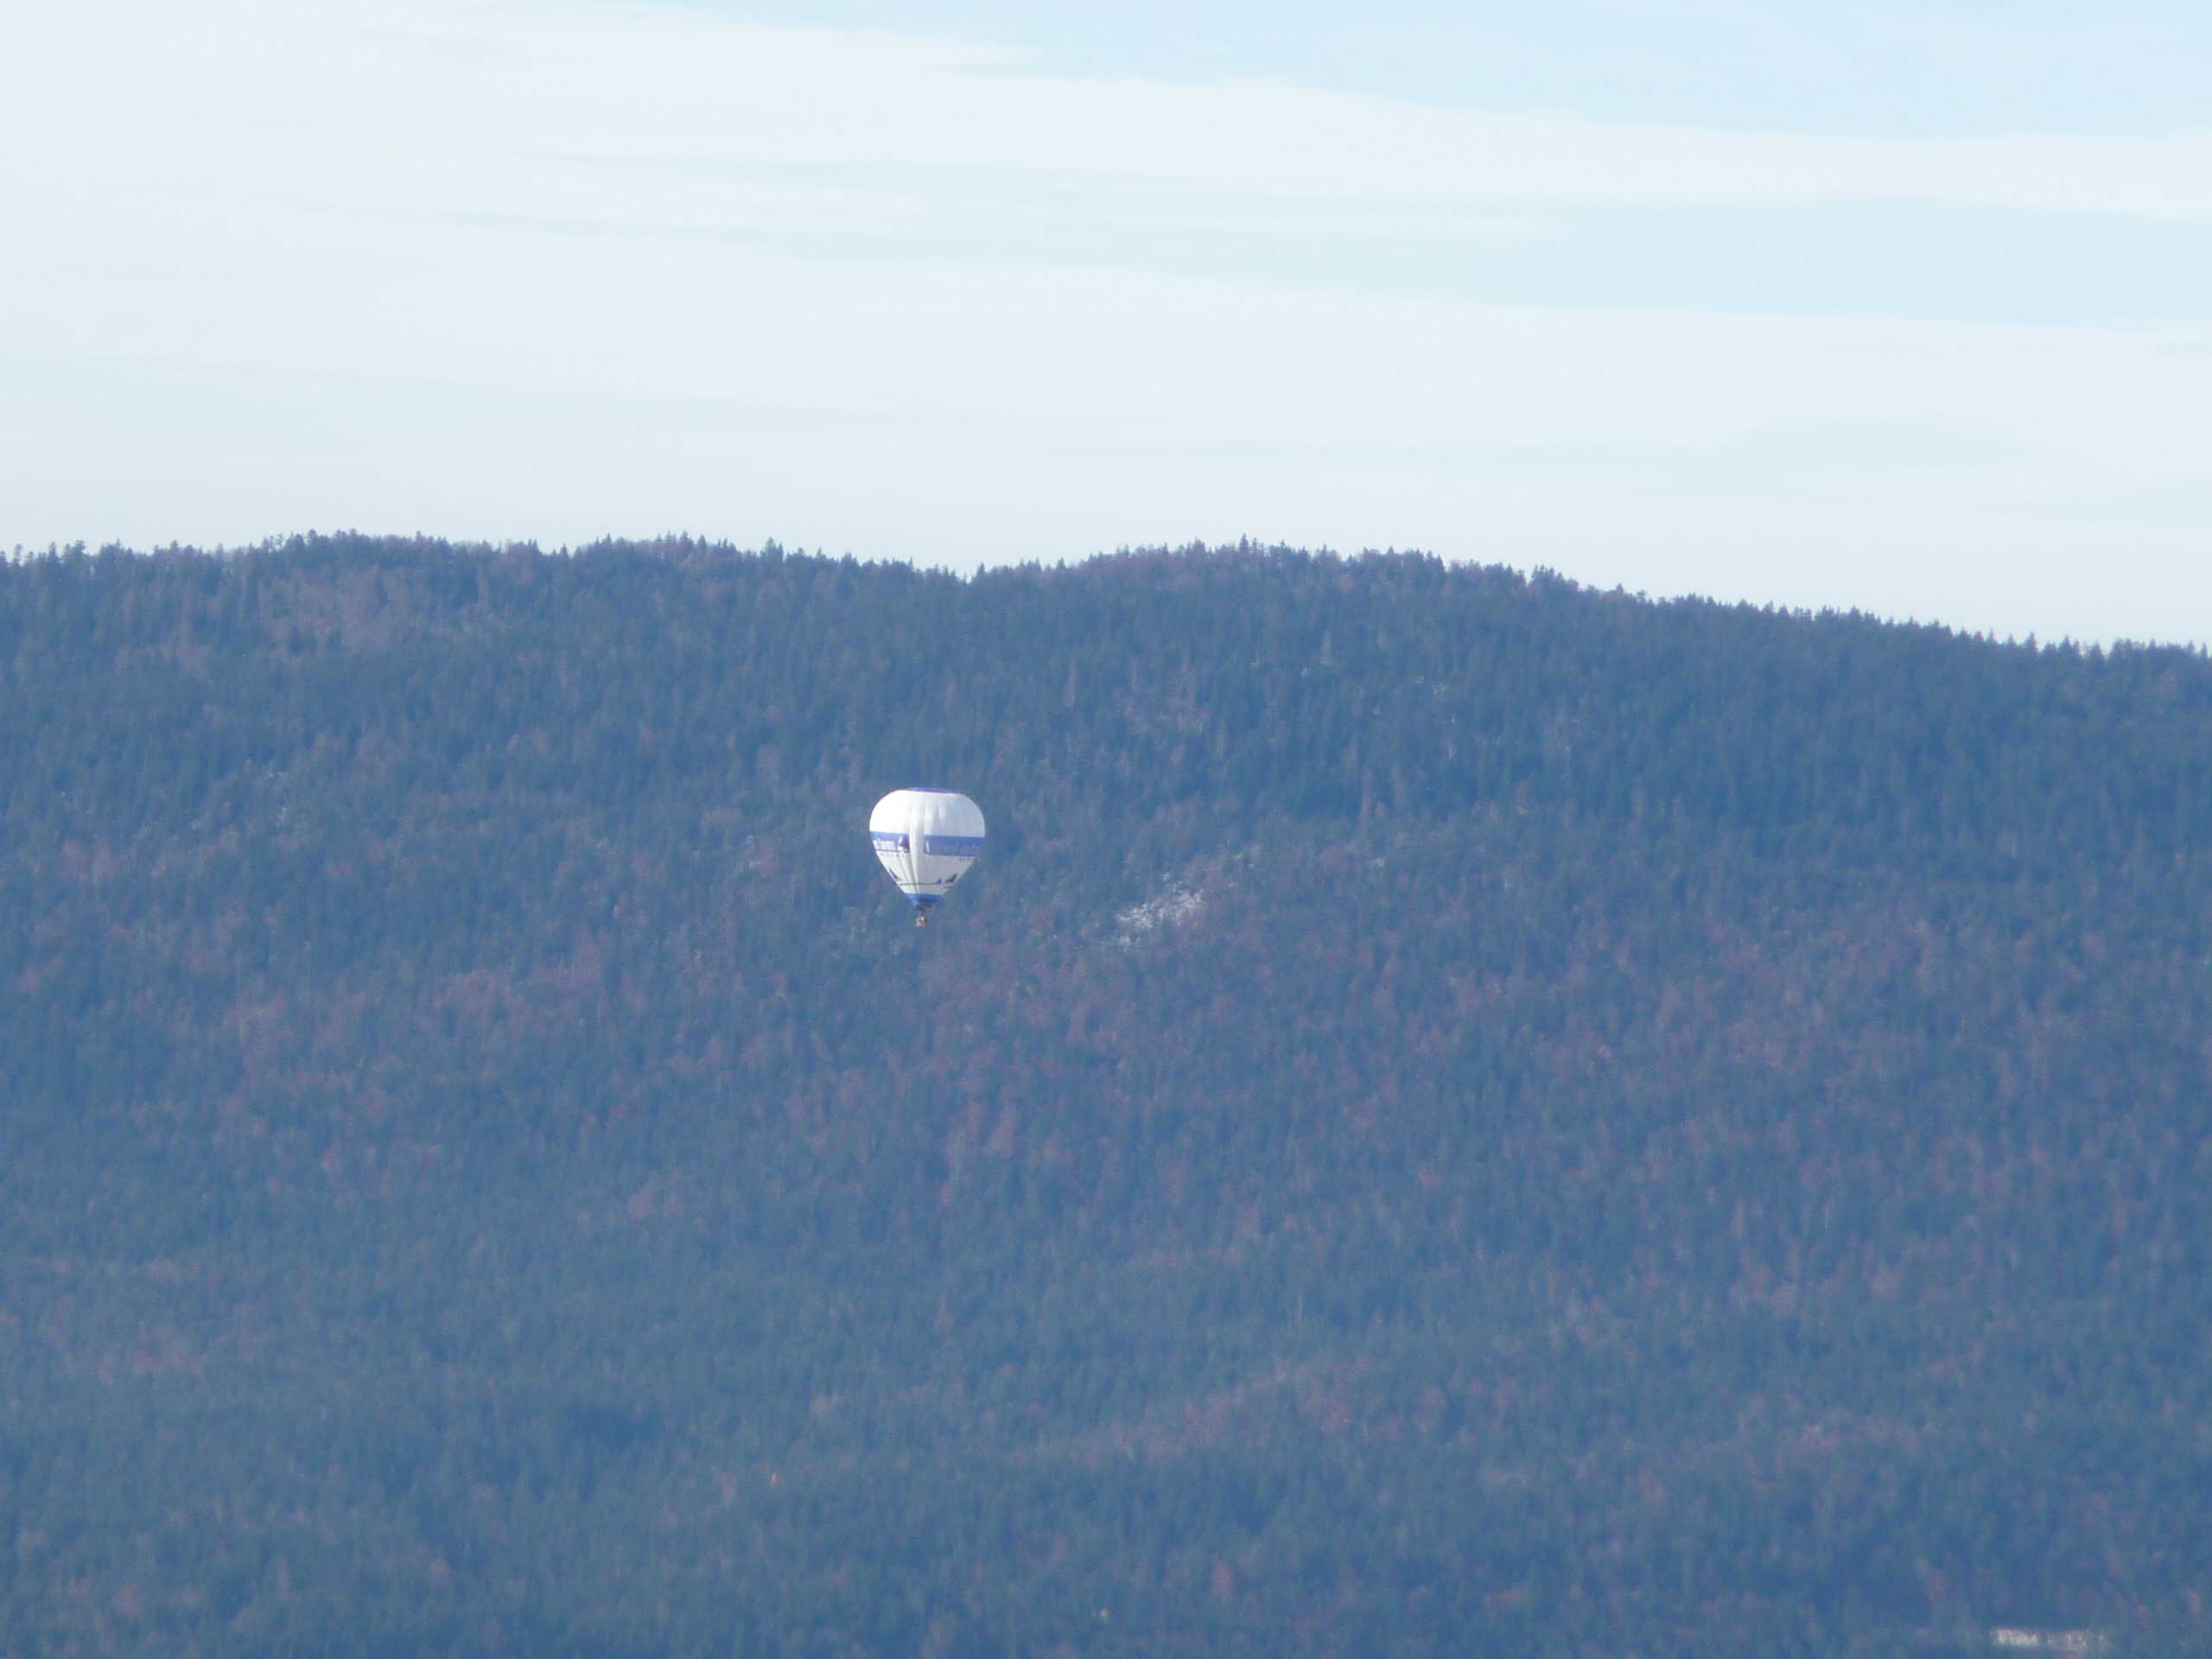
1904	310
1879	67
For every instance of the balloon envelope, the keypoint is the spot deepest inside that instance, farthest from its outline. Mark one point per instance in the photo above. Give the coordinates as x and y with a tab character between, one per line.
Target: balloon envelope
926	838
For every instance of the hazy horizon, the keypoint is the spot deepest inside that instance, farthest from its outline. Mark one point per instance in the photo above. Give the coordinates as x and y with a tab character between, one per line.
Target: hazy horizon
1902	313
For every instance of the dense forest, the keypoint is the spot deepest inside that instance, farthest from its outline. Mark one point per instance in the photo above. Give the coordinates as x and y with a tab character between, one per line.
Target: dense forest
1459	1113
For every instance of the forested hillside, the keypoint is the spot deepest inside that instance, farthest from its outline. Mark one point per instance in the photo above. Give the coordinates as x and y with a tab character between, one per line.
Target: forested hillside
1457	1114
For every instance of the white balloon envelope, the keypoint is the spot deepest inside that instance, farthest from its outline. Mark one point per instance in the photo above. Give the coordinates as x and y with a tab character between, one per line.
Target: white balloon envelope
926	838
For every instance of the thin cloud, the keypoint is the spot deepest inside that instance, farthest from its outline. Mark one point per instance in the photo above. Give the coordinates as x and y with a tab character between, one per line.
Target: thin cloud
461	102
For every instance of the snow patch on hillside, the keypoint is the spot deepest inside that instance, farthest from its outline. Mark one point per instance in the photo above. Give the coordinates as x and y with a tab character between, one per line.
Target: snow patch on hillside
1178	907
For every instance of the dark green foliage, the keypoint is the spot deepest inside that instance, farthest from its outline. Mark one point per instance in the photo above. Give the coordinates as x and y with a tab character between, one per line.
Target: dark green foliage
1457	1114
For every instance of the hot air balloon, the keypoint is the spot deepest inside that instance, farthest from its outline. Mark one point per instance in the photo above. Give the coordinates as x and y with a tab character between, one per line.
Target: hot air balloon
926	838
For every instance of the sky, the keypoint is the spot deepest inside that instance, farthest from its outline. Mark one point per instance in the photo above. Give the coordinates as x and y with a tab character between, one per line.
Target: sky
1895	308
